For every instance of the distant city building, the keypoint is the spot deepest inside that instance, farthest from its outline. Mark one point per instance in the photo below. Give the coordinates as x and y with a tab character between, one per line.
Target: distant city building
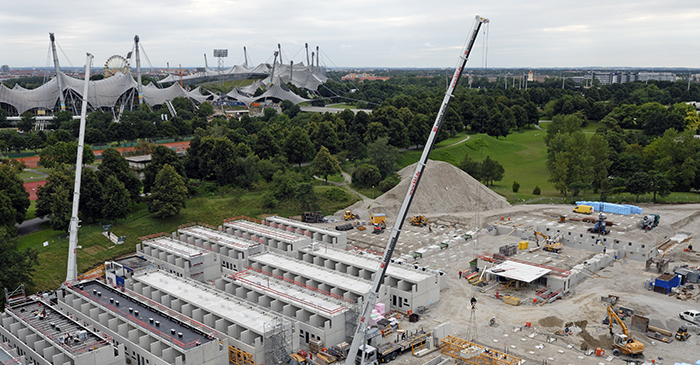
530	76
621	77
5	69
363	77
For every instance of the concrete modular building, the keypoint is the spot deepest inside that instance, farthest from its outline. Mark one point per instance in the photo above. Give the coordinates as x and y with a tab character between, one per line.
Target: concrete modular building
313	276
245	325
119	272
273	238
180	258
595	243
233	251
39	334
325	236
409	286
151	333
316	314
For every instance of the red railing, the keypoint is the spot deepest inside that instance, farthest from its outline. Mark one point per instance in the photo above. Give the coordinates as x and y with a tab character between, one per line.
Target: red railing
240	277
152	236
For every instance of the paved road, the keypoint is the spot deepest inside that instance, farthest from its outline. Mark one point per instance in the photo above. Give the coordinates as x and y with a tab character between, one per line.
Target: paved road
30	226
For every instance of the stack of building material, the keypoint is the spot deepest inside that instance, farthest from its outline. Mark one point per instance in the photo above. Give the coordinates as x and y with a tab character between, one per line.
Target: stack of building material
380	308
315	346
508	250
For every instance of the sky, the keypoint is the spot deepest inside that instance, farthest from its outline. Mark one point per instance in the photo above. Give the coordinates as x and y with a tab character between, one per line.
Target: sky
357	33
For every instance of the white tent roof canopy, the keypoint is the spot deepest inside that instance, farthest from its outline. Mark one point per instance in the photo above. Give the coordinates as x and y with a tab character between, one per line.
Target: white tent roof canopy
518	271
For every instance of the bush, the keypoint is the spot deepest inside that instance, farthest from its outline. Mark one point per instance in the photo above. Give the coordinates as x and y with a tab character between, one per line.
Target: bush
536	191
269	200
388	183
336	194
516	186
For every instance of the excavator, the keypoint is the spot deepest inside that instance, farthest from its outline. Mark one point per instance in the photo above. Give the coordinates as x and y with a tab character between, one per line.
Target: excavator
622	342
419	221
550	244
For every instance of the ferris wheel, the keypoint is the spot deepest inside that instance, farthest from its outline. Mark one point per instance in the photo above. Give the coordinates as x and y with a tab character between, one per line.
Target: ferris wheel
116	64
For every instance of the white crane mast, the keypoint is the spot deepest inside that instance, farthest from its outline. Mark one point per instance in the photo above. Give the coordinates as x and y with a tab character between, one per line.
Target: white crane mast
371	297
72	272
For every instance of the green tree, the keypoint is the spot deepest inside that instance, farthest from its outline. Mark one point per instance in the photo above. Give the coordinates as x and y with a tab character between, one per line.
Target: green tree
7	215
639	184
114	164
598	149
516	186
12	186
17	266
205	110
160	157
90	195
26	123
64	153
305	194
325	164
61	209
3	119
55	198
384	156
367	176
520	115
115	199
660	185
491	171
169	193
298	146
471	167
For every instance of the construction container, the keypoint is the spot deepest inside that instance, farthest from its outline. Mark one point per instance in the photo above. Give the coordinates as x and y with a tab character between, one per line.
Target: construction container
523	245
665	282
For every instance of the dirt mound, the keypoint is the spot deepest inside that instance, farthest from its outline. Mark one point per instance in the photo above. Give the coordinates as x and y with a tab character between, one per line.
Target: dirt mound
443	188
551	321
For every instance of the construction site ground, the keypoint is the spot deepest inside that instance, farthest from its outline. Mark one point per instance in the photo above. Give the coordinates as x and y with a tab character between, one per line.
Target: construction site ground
581	306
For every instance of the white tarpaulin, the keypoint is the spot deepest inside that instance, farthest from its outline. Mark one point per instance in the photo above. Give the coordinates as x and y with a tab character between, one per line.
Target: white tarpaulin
518	271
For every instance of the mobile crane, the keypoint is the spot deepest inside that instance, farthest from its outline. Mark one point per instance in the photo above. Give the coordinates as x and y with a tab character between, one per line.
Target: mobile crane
371	297
622	342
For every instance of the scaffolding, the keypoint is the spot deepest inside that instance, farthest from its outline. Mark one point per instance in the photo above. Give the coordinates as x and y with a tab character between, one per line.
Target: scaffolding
16	297
278	340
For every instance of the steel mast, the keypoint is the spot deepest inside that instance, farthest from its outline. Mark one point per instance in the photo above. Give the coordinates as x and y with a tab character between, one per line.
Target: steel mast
72	272
58	70
372	296
139	86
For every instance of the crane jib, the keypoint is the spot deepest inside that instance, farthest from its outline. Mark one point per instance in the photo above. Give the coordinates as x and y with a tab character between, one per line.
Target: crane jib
373	294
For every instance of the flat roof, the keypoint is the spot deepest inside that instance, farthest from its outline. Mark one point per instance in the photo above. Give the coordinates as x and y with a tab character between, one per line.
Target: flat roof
304	225
6	357
176	247
518	271
265	231
218	237
330	277
55	325
190	336
369	263
221	304
133	262
287	293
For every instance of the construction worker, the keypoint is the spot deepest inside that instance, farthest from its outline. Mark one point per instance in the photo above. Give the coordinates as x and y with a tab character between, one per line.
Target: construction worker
473	301
460	274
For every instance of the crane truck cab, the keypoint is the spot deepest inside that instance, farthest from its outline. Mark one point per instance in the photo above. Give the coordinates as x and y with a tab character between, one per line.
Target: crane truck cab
369	353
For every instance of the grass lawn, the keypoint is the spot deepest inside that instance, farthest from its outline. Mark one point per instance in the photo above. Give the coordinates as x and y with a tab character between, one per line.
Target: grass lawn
31	176
522	154
31	211
213	209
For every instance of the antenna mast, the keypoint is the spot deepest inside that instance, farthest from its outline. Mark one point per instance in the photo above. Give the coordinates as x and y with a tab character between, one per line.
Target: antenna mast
58	70
139	87
72	272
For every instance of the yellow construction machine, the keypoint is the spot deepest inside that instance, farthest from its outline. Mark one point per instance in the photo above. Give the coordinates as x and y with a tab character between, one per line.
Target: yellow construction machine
622	342
550	244
349	215
419	221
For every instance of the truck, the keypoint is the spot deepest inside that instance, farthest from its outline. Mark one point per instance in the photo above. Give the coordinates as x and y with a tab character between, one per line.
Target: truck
387	352
599	226
650	221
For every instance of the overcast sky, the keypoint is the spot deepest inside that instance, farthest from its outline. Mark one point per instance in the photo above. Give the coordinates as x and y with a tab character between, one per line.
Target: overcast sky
359	33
